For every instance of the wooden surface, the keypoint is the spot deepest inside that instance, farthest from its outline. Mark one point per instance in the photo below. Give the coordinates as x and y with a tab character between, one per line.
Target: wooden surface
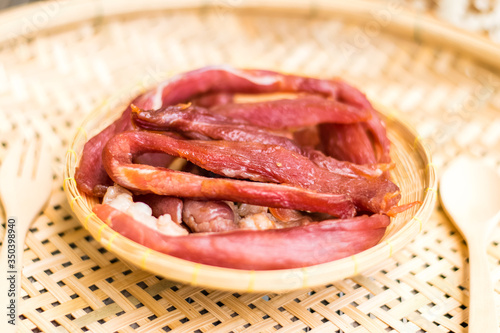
52	79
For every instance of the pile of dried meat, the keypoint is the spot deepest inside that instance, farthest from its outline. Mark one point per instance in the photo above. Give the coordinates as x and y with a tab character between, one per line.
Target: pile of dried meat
293	176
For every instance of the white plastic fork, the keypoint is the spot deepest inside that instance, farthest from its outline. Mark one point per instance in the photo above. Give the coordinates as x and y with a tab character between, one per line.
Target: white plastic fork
25	187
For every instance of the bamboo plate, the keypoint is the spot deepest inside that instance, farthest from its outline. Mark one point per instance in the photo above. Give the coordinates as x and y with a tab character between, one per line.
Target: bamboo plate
414	174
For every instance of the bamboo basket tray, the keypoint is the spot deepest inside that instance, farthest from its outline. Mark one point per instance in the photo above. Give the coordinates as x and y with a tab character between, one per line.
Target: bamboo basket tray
60	60
414	174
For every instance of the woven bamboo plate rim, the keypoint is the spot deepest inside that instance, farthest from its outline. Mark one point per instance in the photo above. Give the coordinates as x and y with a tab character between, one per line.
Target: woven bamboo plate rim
414	173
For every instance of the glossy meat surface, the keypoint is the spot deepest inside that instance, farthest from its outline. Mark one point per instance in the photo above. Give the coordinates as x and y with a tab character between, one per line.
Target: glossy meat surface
143	178
236	160
198	123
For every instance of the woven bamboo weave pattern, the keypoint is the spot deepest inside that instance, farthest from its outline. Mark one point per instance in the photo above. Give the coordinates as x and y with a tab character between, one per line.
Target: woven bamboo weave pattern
71	283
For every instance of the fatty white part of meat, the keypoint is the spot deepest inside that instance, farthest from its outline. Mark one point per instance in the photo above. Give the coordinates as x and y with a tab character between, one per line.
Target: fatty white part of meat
259	221
121	199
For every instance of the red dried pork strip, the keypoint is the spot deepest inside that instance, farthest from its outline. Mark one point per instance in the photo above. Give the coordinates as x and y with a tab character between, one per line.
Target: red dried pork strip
90	175
199	123
213	99
221	157
238	160
292	113
347	142
294	247
353	142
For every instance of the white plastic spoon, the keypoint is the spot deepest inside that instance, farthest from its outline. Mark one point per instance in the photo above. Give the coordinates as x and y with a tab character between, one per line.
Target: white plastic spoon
470	194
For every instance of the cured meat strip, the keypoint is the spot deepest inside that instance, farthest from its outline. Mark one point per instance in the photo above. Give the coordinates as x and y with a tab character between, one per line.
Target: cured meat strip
351	142
90	175
307	136
374	126
226	79
120	149
154	159
237	160
292	113
198	123
213	99
278	196
347	142
302	246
